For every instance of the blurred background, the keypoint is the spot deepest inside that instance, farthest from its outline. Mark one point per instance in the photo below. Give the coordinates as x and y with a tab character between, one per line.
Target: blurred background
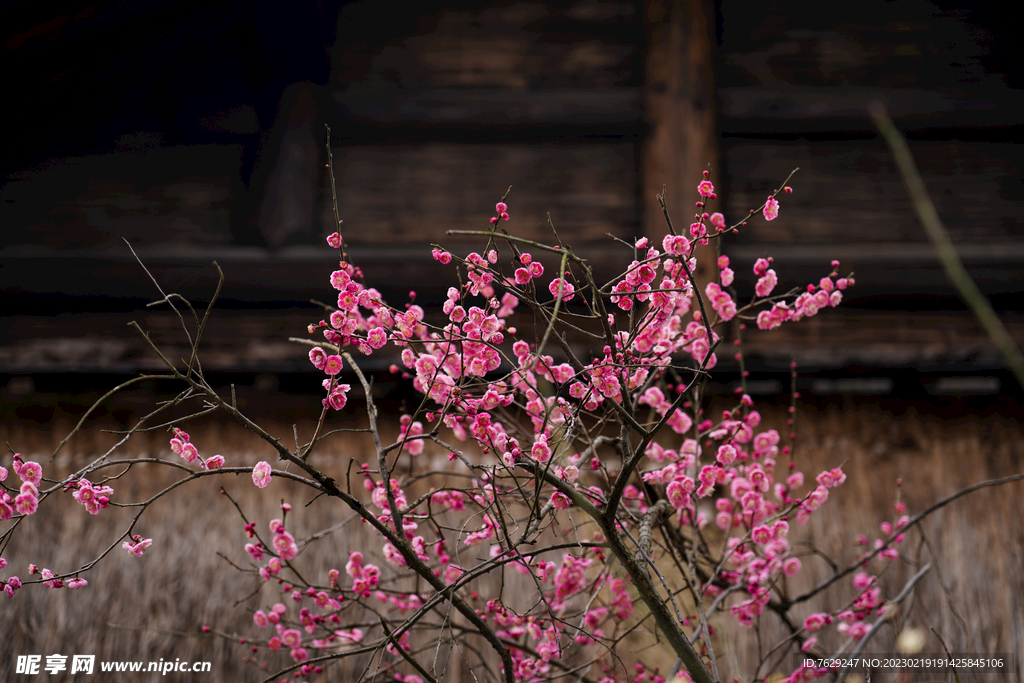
195	132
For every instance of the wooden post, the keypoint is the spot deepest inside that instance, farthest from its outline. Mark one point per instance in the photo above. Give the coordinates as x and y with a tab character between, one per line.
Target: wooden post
679	108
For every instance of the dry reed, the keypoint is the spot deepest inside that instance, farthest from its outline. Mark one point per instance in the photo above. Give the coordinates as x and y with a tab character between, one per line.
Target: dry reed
150	608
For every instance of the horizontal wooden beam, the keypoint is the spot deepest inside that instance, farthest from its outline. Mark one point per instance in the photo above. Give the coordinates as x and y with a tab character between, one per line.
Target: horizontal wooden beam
257	341
745	110
615	107
894	253
907	275
762	109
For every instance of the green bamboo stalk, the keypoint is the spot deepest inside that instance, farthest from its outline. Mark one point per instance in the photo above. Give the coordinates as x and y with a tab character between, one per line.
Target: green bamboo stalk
939	237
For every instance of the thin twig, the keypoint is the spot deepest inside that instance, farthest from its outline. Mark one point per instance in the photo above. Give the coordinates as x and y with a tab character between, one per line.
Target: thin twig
882	620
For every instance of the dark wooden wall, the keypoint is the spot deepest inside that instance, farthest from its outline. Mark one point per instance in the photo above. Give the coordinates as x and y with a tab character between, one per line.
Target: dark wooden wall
586	109
794	88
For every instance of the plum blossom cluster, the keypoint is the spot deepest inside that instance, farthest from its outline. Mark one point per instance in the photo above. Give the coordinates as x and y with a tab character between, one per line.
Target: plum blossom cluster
750	503
583	460
853	621
365	577
282	548
94	497
636	286
318	624
283	542
729	462
47	579
26	503
182	445
544	639
467	346
26	500
827	293
10	584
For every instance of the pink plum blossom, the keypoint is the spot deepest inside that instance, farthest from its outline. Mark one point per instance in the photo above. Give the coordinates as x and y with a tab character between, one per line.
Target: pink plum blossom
332	365
766	284
261	474
31	472
189	452
560	501
816	621
137	545
285	546
318	357
558	284
349	636
26	503
377	337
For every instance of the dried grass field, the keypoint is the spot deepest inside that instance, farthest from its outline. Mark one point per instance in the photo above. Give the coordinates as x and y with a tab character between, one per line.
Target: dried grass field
152	607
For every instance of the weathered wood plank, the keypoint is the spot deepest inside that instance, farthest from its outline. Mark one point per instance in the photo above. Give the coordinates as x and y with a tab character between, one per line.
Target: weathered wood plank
888	274
516	46
745	110
414	193
616	109
802	69
256	341
849	192
177	195
103	342
791	109
841	337
388	193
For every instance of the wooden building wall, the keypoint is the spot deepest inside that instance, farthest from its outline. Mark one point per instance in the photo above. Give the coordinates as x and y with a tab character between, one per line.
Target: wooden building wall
586	109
